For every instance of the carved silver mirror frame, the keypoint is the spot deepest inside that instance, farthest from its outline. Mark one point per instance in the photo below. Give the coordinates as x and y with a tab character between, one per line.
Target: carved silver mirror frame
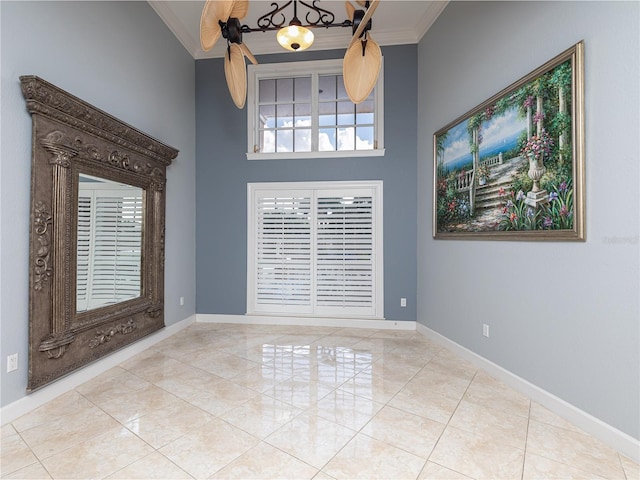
70	137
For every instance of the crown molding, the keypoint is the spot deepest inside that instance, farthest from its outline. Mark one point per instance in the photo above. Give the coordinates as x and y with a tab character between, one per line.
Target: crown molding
180	30
433	12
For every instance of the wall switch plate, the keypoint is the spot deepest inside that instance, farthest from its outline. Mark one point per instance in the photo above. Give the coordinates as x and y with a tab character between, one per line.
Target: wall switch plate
485	330
12	362
403	302
181	301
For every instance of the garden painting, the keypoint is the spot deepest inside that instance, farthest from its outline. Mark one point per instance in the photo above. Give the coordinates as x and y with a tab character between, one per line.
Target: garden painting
513	167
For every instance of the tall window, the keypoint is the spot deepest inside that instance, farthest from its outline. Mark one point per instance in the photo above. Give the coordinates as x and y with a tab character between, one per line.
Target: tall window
315	249
301	109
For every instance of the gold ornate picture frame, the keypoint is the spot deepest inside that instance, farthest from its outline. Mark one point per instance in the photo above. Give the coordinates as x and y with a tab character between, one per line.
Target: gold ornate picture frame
513	167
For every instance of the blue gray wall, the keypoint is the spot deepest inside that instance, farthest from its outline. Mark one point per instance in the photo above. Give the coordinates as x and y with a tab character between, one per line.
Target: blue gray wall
223	172
564	316
120	57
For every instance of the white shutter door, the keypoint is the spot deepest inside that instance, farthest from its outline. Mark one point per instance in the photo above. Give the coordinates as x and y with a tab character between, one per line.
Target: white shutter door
345	254
315	249
283	253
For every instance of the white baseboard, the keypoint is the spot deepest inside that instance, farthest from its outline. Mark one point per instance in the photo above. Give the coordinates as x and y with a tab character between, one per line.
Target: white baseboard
620	441
311	321
38	398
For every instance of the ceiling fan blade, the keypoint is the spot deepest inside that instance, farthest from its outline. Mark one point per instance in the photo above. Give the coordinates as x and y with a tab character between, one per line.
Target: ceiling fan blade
363	23
213	12
240	9
235	71
350	10
360	71
247	53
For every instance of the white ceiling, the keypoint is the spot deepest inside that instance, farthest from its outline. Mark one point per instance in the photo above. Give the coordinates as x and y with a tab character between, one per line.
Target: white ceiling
395	22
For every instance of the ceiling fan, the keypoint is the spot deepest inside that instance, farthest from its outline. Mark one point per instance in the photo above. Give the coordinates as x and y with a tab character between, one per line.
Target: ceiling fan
361	64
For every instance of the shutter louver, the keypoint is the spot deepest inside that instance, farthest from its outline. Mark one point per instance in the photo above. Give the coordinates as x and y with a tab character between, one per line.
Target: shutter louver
83	254
283	252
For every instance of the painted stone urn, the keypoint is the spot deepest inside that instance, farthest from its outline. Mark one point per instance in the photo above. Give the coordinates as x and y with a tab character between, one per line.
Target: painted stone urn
537	148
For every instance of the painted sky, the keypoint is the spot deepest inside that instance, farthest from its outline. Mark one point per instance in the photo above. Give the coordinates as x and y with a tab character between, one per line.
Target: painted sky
494	131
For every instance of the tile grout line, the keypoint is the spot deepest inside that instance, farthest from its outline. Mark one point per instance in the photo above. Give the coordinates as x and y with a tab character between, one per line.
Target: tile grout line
447	425
526	442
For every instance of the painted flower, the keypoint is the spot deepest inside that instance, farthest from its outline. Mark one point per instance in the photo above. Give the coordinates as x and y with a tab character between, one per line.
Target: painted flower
520	195
537	147
547	222
509	204
529	212
563	187
564	211
538	117
513	217
501	191
489	111
553	196
528	102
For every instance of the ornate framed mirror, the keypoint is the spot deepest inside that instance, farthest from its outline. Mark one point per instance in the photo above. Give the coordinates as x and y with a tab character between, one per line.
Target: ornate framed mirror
96	265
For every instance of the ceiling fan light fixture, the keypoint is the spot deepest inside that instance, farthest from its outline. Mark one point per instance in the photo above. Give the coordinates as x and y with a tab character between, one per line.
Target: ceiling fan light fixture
295	37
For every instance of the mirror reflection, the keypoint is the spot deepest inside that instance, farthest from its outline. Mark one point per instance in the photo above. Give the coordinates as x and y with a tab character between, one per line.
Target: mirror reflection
109	248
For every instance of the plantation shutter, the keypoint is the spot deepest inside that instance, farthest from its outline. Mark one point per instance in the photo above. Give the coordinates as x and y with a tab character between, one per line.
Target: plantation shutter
83	254
315	251
109	247
283	253
344	256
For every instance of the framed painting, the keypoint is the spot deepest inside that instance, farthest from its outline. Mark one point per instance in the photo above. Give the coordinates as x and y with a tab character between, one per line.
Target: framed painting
513	167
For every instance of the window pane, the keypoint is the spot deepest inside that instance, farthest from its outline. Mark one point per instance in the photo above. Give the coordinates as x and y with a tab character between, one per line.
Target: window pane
342	93
346	139
284	90
285	115
302	90
364	138
364	118
285	140
365	107
327	140
327	87
302	114
327	112
303	140
267	91
268	141
267	116
346	113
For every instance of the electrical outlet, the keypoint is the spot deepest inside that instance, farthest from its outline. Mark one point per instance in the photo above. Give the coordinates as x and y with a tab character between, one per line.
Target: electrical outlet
181	301
403	302
485	330
12	362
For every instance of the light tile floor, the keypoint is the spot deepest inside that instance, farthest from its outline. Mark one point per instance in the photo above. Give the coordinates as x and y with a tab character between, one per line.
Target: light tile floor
248	402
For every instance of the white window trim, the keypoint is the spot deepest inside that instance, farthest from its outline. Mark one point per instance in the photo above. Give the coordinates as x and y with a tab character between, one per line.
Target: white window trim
292	69
253	189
